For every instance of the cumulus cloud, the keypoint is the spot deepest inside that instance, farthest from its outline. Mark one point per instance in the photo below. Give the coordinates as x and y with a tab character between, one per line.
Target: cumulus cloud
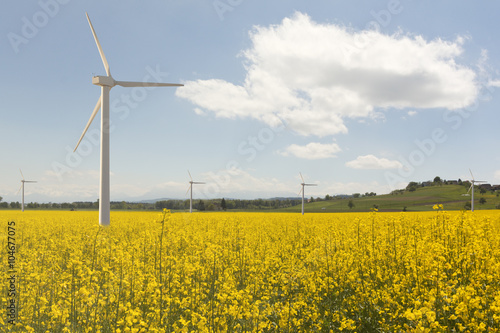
312	151
314	76
241	183
77	185
372	162
356	187
494	83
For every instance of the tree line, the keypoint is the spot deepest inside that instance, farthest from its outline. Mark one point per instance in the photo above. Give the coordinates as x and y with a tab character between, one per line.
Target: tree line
174	204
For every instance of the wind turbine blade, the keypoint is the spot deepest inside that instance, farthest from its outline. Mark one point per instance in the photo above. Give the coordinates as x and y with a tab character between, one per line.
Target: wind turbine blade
96	109
103	57
300	191
311	184
19	189
146	84
190	175
21	173
198	183
301	177
188	189
469	189
471	174
30	181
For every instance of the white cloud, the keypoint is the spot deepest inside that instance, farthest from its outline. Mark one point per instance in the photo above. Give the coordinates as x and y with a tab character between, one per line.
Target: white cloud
356	187
373	162
497	175
313	76
233	183
412	113
71	174
240	183
199	112
494	83
74	185
312	151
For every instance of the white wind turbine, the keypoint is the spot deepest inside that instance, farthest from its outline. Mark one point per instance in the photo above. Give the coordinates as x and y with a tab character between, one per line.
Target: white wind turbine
190	189
473	181
107	82
302	190
22	188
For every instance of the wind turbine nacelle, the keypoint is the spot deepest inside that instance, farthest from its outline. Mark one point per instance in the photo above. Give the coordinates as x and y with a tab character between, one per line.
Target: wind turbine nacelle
103	81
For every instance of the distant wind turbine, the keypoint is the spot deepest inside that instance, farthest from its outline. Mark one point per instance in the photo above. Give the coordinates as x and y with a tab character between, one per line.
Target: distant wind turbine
190	189
472	187
22	188
302	190
107	82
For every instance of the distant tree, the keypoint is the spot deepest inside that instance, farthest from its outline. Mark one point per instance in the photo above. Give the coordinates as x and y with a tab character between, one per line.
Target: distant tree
159	205
311	200
1	199
482	201
231	204
412	186
201	206
356	195
350	204
223	204
404	209
482	191
467	205
327	197
459	181
437	180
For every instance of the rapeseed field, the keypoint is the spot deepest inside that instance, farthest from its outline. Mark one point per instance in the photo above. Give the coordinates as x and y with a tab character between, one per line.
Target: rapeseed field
250	272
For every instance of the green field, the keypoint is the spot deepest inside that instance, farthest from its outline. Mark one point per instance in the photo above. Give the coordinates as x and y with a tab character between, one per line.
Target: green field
450	196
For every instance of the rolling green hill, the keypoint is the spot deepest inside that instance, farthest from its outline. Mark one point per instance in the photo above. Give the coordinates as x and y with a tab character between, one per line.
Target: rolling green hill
422	199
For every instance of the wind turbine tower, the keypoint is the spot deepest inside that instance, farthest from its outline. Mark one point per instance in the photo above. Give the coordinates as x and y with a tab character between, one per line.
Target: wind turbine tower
302	190
22	188
190	189
472	187
106	83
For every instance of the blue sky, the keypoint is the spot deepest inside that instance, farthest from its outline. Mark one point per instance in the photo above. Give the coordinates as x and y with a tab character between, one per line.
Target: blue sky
359	96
